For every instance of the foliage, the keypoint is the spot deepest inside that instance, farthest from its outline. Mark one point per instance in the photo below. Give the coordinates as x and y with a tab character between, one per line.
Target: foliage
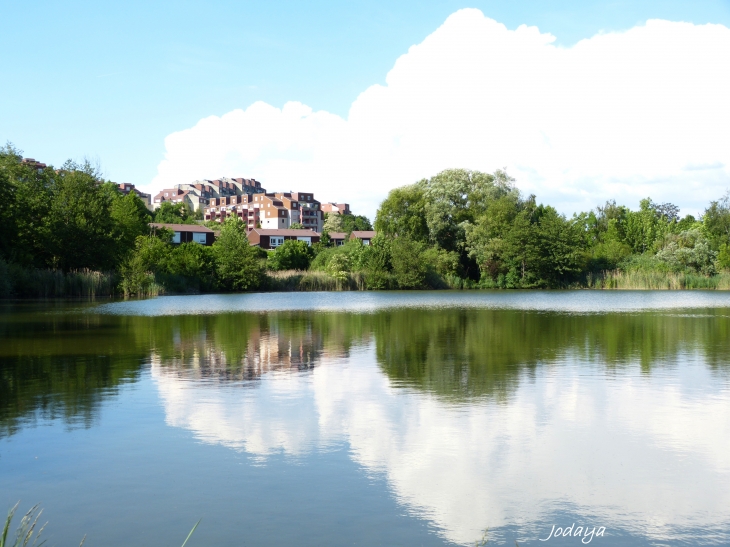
688	251
174	213
403	214
237	266
26	528
716	222
291	255
332	223
409	265
351	223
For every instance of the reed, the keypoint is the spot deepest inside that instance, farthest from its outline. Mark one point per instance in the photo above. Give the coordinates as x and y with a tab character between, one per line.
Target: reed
27	527
296	280
656	280
22	282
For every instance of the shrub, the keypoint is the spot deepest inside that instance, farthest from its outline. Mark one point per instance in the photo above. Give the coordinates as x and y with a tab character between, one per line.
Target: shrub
409	267
237	266
291	255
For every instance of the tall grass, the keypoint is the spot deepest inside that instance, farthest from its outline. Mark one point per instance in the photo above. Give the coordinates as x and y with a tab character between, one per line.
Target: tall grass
656	280
25	530
295	280
19	282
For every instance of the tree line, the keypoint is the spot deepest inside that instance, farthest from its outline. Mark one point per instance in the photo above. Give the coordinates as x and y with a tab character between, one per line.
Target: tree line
462	229
458	229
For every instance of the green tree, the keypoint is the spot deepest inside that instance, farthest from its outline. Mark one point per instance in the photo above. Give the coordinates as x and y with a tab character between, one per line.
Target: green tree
148	261
237	266
403	213
716	222
409	267
80	223
7	222
351	223
291	255
190	267
130	218
332	223
174	213
645	227
31	192
689	250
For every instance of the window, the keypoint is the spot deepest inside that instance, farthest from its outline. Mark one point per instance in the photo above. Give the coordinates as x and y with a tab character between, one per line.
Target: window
176	237
276	241
199	237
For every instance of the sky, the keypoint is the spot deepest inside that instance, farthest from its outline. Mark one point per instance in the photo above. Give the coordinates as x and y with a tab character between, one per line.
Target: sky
580	101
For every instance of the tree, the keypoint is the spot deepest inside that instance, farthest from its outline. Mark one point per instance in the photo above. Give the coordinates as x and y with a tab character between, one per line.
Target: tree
174	213
7	221
351	223
403	213
332	223
236	264
291	255
80	222
688	250
31	191
131	218
716	222
409	268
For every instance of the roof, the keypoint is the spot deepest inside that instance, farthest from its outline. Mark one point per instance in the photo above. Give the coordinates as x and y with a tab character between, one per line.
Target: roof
366	234
337	235
182	227
285	233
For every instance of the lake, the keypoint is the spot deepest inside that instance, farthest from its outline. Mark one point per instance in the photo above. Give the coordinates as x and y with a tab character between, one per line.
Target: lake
393	418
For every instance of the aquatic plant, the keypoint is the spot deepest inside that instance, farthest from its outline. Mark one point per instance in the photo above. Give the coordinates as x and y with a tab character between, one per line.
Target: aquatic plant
26	528
29	522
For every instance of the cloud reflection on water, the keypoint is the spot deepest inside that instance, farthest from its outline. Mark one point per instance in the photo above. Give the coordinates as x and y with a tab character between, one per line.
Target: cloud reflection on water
621	448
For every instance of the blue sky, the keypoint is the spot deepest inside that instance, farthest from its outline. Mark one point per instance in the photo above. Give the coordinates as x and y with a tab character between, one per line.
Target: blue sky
112	80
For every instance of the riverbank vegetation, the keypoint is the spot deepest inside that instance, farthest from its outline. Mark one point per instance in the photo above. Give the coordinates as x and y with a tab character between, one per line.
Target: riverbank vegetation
69	233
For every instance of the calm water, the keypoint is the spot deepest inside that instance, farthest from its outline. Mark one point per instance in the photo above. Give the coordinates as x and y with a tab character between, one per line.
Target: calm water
371	418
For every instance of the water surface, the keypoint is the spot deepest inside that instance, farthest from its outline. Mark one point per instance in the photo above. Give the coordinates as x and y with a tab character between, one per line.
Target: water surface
371	418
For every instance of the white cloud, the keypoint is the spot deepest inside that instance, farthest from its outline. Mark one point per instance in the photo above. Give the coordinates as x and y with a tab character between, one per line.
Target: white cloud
624	115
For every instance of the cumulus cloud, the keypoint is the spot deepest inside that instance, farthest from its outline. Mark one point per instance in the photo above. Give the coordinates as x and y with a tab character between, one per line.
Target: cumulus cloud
623	115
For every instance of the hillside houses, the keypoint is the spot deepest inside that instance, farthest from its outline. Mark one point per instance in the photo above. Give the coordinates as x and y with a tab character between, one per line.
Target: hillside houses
198	194
272	211
245	198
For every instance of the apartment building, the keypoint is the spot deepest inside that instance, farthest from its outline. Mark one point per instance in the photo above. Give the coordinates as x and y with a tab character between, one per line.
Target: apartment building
336	208
125	188
272	211
200	193
302	209
31	162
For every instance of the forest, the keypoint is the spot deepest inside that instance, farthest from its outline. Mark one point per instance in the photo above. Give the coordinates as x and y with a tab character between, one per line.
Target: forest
68	232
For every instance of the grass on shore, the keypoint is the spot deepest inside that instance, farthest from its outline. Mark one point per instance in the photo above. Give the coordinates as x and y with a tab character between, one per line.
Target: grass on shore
296	280
656	280
19	282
